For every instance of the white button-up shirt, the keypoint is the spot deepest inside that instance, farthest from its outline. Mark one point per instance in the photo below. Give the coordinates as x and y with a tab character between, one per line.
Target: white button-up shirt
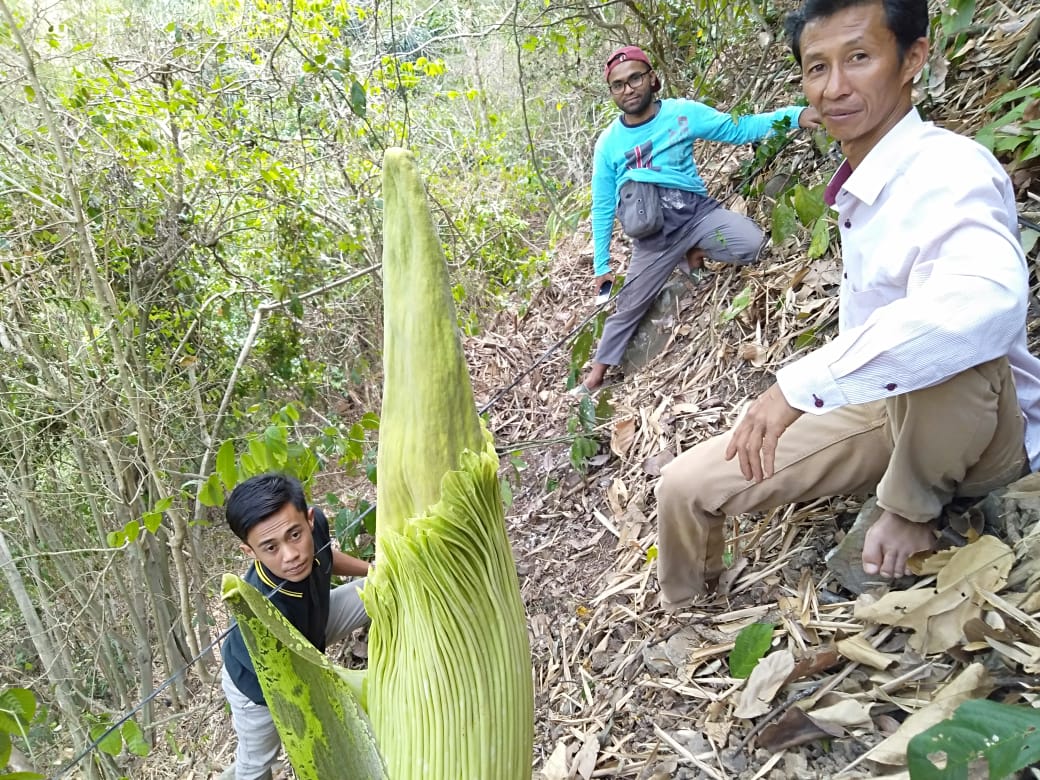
934	277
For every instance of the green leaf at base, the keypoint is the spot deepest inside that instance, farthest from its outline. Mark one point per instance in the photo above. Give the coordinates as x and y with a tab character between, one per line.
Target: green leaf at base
1006	736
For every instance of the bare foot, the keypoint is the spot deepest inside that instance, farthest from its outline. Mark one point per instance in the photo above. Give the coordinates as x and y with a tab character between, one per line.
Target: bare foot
695	259
890	542
595	377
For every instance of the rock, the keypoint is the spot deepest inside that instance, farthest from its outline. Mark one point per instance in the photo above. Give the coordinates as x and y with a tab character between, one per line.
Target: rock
656	660
846	560
668	656
795	764
1014	509
734	760
1013	513
655	330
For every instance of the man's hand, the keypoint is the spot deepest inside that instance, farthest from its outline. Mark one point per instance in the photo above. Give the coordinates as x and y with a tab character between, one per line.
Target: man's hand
598	281
755	437
810	118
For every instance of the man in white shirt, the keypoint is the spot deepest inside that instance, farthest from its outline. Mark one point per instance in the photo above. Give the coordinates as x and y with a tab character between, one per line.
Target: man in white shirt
928	391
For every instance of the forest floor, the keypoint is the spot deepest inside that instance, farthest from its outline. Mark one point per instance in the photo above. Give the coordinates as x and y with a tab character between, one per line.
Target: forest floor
624	689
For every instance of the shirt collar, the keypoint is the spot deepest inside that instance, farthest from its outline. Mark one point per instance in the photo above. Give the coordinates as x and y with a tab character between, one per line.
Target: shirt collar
888	155
276	583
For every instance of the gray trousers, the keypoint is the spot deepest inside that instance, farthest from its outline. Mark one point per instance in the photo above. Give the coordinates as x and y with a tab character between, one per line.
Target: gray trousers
724	236
258	740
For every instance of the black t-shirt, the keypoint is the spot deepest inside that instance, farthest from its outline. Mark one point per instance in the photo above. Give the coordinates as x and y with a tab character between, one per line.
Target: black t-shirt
305	604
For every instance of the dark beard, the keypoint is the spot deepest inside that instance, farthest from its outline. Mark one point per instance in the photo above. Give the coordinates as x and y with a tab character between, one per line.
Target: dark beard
641	106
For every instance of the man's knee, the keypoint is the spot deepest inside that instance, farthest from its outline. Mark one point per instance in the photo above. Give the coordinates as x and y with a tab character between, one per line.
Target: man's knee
693	480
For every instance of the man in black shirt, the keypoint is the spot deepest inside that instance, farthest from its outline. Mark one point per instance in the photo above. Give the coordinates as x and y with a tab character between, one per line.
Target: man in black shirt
292	565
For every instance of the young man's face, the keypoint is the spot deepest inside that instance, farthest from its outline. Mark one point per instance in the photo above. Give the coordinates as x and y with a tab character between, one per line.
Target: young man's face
283	543
852	75
634	101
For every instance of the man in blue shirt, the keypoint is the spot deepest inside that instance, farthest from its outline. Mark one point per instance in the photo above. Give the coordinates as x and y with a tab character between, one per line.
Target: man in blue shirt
652	141
292	565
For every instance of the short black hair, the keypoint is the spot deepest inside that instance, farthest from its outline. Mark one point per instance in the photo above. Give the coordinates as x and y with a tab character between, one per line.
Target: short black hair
907	19
259	497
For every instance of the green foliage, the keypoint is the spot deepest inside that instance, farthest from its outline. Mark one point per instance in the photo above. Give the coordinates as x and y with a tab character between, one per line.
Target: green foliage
17	710
128	736
149	522
581	351
1005	736
582	425
512	474
801	205
281	446
751	644
765	153
1029	239
348	524
784	222
740	302
956	16
1016	132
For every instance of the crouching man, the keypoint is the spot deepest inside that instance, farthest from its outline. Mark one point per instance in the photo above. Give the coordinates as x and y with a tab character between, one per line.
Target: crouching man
292	565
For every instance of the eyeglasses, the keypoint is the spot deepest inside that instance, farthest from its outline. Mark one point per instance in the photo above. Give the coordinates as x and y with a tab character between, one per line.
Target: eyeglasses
635	81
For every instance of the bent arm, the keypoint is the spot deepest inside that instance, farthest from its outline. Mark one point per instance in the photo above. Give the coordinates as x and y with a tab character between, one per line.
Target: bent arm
345	565
604	187
965	304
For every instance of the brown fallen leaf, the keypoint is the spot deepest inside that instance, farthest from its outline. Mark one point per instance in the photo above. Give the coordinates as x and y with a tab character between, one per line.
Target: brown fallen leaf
556	766
755	354
841	710
930	562
937	616
813	661
795	728
655	463
765	680
972	683
858	649
617	497
622	436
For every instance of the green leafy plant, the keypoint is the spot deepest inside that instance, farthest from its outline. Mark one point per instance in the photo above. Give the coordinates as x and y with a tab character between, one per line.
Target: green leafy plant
740	302
279	447
765	152
128	736
1005	736
956	16
807	207
448	690
17	710
350	522
582	424
1017	130
751	644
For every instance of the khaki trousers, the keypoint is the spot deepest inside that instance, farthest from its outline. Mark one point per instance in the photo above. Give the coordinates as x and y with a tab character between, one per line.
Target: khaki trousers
963	437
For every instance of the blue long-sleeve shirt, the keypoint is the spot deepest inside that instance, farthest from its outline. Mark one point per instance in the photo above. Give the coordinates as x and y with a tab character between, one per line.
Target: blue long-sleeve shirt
660	151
